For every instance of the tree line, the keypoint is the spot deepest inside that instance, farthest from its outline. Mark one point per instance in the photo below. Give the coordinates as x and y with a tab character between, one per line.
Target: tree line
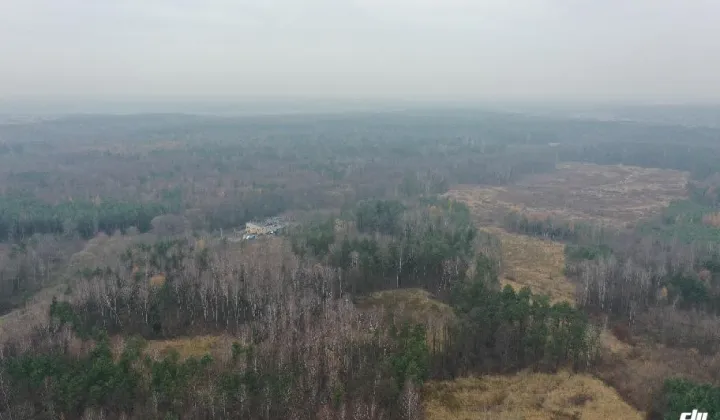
679	396
22	216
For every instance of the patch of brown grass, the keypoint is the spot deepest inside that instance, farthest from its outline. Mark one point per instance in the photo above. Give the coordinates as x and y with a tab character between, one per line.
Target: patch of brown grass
612	345
484	202
614	194
158	280
525	396
712	219
186	347
535	263
20	323
417	301
638	371
415	305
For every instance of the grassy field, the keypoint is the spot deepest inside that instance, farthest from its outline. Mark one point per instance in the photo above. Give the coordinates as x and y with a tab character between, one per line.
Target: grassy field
536	263
524	395
637	371
191	346
415	305
528	396
613	194
417	302
616	195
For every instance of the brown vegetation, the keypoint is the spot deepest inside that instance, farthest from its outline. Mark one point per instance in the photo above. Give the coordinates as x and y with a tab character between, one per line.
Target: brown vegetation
638	373
613	193
621	331
526	396
198	346
296	310
712	219
414	305
647	344
535	263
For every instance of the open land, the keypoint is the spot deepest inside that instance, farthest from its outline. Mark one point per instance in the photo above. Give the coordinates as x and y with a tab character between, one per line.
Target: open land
215	186
614	194
532	396
611	194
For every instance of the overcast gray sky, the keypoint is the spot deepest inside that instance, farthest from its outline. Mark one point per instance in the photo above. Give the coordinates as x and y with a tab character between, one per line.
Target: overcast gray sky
477	49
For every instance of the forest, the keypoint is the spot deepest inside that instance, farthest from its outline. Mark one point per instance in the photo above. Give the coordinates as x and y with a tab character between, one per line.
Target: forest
121	296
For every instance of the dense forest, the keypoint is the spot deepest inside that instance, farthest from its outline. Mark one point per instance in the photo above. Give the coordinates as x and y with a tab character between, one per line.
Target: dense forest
111	238
301	348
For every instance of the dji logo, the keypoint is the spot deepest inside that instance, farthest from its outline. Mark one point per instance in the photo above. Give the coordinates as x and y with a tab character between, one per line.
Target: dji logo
694	416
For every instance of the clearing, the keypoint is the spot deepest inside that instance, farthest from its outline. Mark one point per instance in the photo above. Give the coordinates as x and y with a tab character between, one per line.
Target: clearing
198	346
535	263
414	305
526	396
615	194
637	371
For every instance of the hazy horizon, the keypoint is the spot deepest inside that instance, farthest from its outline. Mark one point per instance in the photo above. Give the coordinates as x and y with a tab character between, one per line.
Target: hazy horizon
361	50
59	106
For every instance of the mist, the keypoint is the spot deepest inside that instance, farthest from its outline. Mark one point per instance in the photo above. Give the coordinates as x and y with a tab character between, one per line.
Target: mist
427	50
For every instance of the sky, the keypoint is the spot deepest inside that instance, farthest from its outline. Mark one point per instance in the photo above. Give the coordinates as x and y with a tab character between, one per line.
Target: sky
652	50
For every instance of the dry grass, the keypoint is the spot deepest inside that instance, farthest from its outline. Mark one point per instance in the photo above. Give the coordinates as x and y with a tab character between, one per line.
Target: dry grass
612	194
417	301
484	202
712	219
535	263
186	347
104	250
526	396
414	305
158	280
640	370
615	194
19	323
614	346
521	396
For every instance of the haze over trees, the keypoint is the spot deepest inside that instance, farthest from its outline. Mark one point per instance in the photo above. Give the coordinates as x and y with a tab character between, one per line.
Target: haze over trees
121	299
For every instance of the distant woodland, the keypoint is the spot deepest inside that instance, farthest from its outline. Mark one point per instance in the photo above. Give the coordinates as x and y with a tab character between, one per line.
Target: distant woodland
110	244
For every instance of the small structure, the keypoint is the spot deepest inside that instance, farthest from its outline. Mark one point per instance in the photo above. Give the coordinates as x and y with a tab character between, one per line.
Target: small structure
268	227
256	229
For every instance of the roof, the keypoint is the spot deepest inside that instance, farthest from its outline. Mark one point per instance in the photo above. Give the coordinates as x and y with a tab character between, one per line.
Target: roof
272	223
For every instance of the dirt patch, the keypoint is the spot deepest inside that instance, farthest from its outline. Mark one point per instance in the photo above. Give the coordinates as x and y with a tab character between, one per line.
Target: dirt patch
615	194
526	396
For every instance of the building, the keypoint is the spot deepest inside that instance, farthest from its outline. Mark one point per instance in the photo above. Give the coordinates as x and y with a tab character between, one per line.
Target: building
268	227
256	229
